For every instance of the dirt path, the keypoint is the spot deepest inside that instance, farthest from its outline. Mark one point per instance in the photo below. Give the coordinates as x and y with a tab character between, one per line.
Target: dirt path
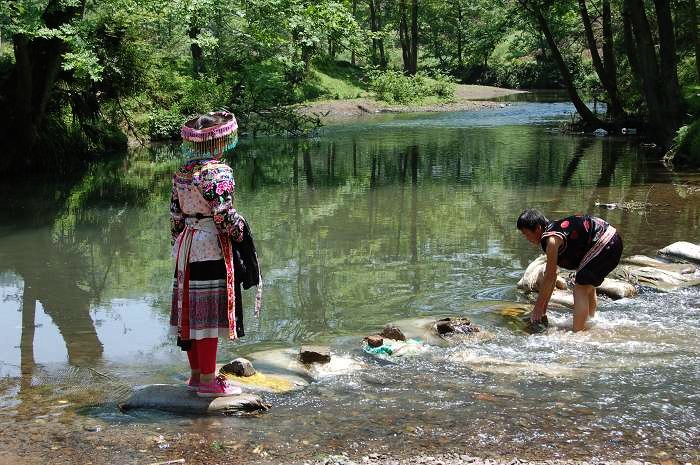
467	98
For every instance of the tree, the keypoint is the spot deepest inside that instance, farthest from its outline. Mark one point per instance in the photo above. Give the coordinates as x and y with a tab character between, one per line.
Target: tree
605	69
658	77
535	10
409	37
39	46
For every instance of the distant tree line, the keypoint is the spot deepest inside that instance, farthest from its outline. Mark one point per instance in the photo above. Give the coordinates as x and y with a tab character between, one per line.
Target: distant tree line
77	77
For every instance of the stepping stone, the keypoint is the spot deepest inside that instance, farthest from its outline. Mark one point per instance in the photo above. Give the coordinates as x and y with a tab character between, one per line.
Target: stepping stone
178	399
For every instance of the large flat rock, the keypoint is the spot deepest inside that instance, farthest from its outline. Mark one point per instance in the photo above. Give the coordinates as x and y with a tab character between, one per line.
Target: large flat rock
683	250
176	398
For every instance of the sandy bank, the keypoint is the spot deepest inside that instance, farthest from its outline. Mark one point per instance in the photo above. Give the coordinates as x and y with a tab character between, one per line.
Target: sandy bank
467	98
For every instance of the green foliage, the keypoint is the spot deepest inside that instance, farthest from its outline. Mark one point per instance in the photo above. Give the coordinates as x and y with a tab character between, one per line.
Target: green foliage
395	87
691	95
525	74
687	142
164	124
687	72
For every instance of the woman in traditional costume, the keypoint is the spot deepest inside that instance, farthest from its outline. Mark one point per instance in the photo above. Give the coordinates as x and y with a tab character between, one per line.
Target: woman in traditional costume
583	243
206	301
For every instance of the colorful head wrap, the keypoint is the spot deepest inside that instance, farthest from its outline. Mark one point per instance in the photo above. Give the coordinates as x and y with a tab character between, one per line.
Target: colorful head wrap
211	141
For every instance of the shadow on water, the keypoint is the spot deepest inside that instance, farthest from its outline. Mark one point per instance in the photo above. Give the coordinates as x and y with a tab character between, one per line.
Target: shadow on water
412	218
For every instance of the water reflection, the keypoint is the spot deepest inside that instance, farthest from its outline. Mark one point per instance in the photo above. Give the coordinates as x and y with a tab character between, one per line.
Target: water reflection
368	224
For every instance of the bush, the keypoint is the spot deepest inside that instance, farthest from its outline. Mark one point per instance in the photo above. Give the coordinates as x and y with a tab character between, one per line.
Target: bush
164	124
525	74
688	142
443	86
396	87
687	74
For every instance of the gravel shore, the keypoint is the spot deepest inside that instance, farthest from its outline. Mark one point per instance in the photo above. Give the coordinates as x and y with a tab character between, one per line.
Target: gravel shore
467	98
460	459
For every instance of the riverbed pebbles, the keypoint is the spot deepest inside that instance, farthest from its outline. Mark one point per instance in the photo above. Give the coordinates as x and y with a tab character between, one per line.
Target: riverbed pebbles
455	459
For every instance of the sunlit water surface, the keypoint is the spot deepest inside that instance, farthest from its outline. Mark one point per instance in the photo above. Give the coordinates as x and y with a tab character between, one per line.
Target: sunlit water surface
382	220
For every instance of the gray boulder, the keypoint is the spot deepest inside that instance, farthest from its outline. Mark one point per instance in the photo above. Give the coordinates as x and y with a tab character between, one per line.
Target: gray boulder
239	367
176	398
683	250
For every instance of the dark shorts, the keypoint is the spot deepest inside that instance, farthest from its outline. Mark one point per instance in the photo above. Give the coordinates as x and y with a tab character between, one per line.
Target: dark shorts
597	269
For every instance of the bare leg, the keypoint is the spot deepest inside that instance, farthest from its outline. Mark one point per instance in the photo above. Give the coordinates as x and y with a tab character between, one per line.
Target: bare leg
592	303
582	298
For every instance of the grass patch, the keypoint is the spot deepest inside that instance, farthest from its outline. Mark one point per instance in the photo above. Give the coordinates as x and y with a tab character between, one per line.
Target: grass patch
338	80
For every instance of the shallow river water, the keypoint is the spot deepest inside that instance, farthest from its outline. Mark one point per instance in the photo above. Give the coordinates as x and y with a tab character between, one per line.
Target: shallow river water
375	221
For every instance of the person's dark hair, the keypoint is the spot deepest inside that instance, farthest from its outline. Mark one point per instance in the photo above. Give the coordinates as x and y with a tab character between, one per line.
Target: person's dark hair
214	118
530	218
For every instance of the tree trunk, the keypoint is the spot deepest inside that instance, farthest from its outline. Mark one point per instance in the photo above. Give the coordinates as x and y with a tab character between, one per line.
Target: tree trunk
672	103
373	28
630	48
694	35
460	14
196	51
404	37
614	105
585	113
37	65
414	38
644	51
354	13
380	41
609	61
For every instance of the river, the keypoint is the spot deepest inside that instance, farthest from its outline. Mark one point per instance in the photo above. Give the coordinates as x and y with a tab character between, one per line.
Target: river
375	221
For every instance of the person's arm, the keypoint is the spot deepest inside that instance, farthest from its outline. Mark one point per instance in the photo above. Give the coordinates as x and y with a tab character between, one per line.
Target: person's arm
177	219
549	280
219	193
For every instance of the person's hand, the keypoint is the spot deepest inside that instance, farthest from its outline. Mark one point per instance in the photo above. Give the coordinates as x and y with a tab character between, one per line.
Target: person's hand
537	313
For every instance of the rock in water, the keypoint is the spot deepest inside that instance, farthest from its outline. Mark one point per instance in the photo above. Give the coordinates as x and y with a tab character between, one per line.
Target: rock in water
315	354
683	250
176	398
457	325
535	328
374	341
239	367
643	260
534	273
616	289
392	332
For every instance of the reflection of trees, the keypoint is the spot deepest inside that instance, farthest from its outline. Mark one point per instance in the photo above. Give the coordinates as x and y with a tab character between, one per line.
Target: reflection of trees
337	222
66	250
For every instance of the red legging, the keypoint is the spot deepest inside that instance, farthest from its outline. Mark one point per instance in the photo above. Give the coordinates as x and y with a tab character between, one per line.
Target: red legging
202	355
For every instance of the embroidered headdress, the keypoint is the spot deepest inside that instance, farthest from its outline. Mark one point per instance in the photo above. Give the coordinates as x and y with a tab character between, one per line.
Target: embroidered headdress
209	135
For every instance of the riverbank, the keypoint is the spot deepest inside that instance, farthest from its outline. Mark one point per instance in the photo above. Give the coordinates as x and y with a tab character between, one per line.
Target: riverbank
464	459
467	98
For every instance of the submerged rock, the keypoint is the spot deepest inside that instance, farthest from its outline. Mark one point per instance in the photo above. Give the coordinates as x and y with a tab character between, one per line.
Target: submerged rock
534	274
176	398
683	250
315	354
517	316
393	332
616	289
374	341
643	260
660	279
239	367
456	325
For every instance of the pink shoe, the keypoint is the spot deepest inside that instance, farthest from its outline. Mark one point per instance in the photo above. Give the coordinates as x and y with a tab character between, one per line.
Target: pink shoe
218	388
192	385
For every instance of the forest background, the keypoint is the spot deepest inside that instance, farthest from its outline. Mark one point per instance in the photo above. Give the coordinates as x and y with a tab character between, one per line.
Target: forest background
79	78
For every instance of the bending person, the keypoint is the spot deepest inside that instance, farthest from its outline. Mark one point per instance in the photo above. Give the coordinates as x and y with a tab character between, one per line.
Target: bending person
583	243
